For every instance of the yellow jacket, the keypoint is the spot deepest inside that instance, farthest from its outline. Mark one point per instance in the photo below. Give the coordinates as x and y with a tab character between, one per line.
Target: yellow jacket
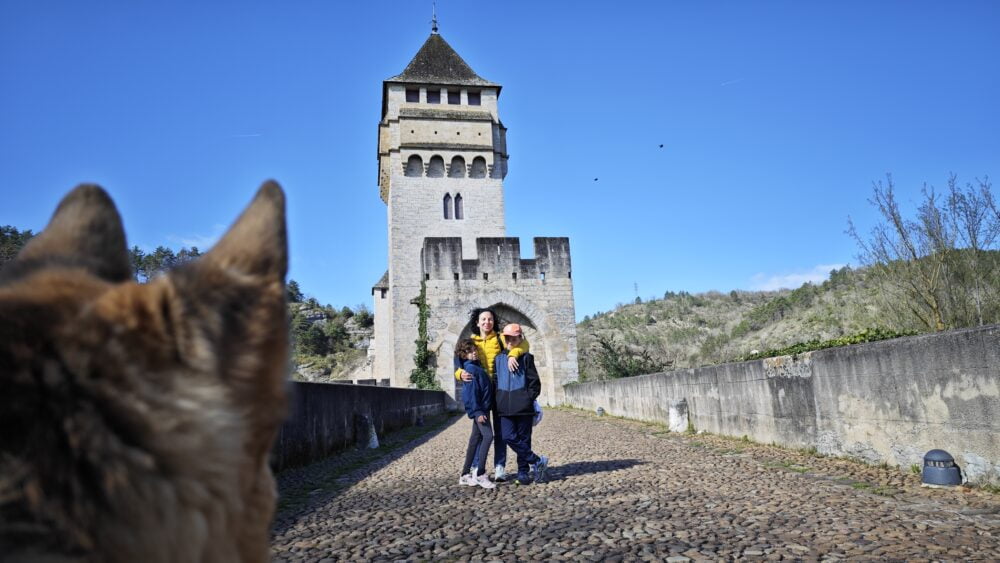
488	348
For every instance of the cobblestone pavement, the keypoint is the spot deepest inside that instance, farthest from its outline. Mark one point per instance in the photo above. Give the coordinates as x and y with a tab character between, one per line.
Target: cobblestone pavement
622	490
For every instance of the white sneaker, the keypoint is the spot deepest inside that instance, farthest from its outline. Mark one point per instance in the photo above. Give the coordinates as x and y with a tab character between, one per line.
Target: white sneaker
499	474
466	479
484	481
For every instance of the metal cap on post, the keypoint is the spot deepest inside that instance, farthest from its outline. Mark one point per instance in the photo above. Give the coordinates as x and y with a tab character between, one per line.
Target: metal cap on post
940	470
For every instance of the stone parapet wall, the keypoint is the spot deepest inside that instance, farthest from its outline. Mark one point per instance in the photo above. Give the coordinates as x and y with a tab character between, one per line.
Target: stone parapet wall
328	417
496	257
888	401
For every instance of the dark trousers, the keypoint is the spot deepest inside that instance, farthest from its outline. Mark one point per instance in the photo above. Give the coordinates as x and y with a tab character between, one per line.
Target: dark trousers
517	434
479	446
499	447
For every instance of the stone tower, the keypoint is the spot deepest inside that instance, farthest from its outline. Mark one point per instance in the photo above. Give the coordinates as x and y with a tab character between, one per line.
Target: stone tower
442	155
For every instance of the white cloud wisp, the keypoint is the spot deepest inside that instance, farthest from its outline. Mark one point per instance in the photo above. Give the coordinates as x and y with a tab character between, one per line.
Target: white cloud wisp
818	274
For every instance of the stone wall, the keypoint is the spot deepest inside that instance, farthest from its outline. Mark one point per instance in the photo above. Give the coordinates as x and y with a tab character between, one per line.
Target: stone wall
328	417
415	212
539	298
886	401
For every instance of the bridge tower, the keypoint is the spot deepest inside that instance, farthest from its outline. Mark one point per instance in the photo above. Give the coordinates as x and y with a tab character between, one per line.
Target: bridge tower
442	155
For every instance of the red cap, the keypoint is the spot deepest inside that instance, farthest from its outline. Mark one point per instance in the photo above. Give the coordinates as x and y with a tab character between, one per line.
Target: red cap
513	329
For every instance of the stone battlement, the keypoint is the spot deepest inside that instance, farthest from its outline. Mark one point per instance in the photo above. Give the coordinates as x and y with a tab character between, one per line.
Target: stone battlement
499	258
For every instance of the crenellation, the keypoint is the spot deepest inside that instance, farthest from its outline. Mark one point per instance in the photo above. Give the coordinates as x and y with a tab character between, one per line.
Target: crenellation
498	257
552	254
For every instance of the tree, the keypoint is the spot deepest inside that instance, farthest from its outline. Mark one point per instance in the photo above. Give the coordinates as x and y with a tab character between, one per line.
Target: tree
972	215
137	257
294	293
937	267
337	335
616	361
314	341
363	316
147	266
11	242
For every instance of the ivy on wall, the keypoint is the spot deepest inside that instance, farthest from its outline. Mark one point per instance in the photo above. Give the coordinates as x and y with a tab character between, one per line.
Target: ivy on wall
867	335
423	375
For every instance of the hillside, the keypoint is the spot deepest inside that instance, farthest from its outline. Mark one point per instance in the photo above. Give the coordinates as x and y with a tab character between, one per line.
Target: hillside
688	330
327	343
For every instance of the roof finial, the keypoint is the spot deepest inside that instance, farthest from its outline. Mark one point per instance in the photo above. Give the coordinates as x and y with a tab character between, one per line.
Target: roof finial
434	18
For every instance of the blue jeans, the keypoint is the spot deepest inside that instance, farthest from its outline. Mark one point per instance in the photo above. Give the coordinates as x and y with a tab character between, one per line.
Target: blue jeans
517	434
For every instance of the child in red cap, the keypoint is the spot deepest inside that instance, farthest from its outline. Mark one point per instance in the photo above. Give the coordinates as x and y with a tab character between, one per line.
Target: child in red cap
516	393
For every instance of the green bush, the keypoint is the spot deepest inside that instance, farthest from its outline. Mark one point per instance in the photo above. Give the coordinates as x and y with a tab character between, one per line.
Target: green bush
616	361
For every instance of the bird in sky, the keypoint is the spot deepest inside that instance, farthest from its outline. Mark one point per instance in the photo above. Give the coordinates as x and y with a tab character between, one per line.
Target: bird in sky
661	146
595	179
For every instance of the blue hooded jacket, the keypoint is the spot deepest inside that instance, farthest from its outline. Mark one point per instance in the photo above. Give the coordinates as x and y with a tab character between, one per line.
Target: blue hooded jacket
517	390
478	393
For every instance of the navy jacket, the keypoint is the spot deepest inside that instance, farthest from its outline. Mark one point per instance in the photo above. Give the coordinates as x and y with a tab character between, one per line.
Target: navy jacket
517	391
478	393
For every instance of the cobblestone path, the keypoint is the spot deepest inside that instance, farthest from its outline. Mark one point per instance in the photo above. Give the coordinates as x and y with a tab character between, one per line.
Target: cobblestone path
621	490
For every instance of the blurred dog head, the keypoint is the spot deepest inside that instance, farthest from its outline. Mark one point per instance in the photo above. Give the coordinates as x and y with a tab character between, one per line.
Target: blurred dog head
136	419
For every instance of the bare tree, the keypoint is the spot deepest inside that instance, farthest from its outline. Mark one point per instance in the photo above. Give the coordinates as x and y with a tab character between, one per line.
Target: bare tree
905	255
972	214
940	267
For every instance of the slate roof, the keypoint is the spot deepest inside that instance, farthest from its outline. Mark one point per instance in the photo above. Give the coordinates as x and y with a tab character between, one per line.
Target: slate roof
383	282
437	63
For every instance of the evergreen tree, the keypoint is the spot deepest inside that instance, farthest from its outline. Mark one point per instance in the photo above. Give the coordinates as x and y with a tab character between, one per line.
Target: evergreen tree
11	242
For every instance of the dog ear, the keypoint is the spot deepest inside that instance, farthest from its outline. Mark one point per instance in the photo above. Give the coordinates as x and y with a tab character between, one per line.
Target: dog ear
85	231
256	244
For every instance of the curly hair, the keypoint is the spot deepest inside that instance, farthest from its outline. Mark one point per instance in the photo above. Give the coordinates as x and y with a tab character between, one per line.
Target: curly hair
474	319
464	348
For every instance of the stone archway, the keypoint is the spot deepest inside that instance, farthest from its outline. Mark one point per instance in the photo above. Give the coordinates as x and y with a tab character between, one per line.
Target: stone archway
510	307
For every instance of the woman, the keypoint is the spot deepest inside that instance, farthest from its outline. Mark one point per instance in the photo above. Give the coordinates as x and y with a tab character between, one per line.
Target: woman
489	344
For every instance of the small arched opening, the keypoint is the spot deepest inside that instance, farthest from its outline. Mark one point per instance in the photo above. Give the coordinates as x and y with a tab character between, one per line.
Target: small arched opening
447	206
435	169
457	168
459	211
414	166
478	168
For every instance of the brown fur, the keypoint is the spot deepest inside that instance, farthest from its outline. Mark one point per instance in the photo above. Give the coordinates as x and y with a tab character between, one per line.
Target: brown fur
136	420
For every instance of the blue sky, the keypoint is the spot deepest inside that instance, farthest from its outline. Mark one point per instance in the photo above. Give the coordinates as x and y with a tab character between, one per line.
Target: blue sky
775	118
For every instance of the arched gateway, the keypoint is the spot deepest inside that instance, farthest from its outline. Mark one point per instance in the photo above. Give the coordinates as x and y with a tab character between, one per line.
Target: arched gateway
538	330
461	259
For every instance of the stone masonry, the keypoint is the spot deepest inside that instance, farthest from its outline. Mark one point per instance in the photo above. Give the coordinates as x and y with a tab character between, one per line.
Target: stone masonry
624	491
442	161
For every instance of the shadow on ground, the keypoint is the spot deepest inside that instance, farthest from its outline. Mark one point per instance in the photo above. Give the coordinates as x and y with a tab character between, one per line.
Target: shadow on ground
300	489
568	470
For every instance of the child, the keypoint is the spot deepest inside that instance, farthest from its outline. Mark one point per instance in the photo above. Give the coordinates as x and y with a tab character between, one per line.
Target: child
489	344
516	393
478	398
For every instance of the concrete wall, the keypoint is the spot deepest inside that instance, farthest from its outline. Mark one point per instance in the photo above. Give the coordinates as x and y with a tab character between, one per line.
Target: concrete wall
326	418
884	401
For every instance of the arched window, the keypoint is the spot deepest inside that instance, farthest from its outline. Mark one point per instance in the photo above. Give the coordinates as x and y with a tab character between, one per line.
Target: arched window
459	212
435	169
414	166
478	168
447	206
457	169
